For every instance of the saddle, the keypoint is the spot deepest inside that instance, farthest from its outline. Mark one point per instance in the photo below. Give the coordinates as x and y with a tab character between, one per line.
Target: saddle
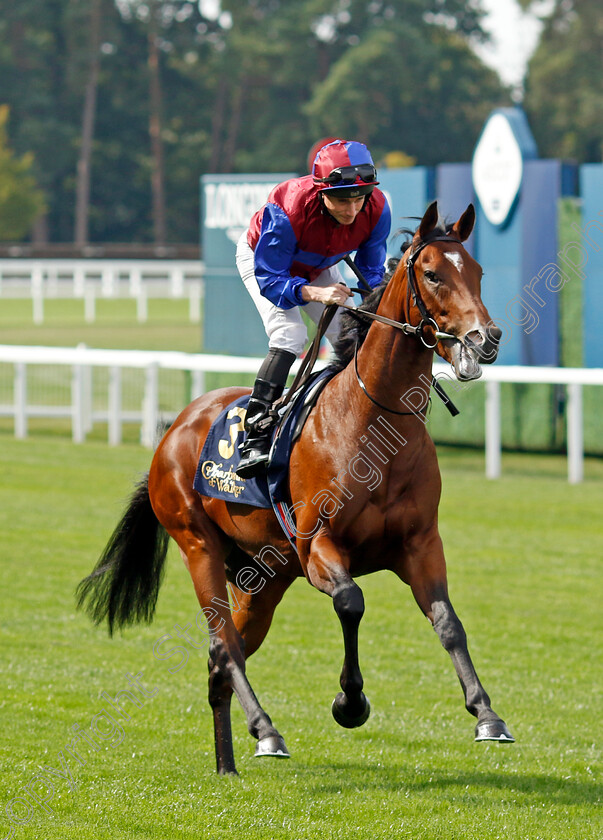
216	470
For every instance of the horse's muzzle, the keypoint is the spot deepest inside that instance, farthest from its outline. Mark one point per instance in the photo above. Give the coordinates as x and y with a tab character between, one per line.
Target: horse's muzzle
484	343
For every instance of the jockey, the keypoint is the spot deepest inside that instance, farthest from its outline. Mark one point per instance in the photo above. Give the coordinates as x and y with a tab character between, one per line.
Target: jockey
288	258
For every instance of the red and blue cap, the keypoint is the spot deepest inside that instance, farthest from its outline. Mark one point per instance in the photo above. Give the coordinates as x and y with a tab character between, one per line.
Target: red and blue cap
344	169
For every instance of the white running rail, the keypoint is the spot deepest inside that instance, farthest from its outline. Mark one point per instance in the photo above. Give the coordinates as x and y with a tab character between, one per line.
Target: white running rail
90	279
82	359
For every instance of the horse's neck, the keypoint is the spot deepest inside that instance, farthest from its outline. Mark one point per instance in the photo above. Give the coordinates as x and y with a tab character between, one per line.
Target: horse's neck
393	365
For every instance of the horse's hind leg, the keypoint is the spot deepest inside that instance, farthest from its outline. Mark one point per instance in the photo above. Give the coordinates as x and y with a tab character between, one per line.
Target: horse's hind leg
219	696
252	616
427	580
226	661
255	610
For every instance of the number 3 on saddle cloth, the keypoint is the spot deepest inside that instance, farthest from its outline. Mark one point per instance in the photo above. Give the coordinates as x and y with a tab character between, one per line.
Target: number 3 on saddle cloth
216	471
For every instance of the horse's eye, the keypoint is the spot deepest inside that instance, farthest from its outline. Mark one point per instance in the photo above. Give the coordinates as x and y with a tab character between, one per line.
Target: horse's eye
431	276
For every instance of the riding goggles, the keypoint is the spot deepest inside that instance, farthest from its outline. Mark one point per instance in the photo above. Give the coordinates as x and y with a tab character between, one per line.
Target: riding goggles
348	175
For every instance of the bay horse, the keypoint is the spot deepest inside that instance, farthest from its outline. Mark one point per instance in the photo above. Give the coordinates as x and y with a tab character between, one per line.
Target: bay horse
364	487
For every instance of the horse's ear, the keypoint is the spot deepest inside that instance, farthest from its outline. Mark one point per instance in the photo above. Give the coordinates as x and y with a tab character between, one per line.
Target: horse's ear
464	226
429	220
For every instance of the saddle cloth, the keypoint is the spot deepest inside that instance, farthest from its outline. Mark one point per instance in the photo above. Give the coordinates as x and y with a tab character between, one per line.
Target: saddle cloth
216	471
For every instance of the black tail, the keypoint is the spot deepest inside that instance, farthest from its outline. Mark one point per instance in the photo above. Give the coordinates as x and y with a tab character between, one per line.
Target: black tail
124	585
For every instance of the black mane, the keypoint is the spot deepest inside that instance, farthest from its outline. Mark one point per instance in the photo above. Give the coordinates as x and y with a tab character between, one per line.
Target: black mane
354	327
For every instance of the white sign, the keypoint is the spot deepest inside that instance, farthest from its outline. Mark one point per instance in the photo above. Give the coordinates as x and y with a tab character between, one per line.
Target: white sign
497	169
228	204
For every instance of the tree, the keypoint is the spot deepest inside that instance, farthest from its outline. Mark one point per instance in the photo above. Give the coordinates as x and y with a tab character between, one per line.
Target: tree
82	206
236	86
155	128
35	81
564	95
412	86
21	202
168	29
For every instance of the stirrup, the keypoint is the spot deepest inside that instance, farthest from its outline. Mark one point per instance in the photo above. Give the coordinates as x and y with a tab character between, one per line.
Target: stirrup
253	462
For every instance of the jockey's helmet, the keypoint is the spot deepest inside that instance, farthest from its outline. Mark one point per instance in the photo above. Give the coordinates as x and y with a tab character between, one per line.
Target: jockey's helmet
344	169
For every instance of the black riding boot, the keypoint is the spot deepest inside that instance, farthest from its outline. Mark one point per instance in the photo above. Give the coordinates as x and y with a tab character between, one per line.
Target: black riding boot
268	387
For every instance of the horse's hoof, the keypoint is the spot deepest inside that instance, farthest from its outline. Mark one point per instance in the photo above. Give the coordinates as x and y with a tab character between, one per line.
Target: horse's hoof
493	730
342	714
272	745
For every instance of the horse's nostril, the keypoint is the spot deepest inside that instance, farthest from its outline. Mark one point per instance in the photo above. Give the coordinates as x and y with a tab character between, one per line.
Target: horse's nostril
476	338
479	338
484	343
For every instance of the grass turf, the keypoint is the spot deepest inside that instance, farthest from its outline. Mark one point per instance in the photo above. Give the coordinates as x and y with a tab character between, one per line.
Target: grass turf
168	327
524	573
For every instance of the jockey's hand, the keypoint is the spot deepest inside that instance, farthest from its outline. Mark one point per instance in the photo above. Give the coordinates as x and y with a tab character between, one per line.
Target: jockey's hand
338	293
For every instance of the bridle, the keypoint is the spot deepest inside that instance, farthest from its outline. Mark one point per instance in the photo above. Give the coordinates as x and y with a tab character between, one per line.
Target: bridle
427	321
412	289
407	328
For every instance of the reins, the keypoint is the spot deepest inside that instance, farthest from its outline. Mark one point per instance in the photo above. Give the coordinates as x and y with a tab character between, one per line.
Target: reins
412	288
307	365
407	329
372	399
426	322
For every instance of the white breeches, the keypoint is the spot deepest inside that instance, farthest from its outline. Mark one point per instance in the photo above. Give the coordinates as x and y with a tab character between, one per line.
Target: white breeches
285	328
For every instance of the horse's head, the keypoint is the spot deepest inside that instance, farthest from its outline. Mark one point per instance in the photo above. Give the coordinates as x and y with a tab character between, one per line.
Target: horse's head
444	292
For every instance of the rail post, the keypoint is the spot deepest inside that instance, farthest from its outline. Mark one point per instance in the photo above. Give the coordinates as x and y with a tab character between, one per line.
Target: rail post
575	434
493	430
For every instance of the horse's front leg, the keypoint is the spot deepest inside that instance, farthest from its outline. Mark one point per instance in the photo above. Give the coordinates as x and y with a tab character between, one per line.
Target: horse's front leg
327	570
426	574
490	727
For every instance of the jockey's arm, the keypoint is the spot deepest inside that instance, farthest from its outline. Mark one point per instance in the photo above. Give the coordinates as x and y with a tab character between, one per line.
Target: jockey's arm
274	255
337	293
